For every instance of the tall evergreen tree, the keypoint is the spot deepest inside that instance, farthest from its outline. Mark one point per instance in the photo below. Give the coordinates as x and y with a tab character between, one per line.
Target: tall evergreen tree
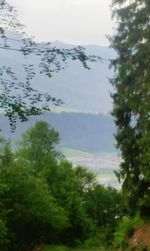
132	98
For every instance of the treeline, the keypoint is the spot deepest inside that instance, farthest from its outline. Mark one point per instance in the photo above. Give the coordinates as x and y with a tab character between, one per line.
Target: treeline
44	199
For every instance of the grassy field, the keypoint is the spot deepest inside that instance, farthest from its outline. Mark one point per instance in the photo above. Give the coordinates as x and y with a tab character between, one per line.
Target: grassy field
102	164
69	152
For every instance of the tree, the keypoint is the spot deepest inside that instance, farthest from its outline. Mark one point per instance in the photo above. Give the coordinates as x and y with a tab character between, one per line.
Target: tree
29	213
18	98
37	151
131	99
69	185
44	199
38	144
105	206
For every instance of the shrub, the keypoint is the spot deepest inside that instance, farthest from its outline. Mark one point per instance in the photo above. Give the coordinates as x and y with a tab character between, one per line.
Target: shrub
125	229
3	234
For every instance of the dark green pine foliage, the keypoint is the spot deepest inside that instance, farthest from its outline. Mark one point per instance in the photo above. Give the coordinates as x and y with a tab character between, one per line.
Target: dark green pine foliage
131	109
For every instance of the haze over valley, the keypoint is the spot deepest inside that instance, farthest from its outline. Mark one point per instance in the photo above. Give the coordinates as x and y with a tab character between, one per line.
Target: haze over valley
84	122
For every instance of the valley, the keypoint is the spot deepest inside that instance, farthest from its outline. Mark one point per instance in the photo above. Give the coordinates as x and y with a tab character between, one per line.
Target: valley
85	139
102	165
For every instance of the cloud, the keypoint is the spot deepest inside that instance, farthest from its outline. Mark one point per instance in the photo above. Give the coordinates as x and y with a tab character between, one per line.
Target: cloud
72	21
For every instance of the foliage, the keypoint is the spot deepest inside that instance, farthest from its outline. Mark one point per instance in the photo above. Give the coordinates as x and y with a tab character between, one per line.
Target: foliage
97	240
18	98
106	207
103	204
33	215
3	234
64	248
67	185
56	248
38	144
125	229
131	99
44	199
69	191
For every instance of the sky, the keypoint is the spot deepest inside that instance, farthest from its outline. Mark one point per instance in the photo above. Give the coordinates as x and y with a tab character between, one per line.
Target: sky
71	21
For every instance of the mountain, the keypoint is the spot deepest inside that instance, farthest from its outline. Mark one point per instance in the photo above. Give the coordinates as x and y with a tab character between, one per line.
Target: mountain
85	139
91	133
81	90
86	130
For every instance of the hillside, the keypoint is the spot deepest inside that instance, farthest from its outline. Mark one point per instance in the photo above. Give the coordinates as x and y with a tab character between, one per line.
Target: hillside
91	133
81	90
85	139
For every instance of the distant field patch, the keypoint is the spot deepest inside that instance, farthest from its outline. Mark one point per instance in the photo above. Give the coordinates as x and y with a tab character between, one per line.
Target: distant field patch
69	152
102	164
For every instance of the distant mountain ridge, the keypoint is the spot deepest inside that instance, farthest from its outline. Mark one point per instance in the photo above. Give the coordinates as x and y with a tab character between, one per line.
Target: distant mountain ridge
86	96
81	90
91	133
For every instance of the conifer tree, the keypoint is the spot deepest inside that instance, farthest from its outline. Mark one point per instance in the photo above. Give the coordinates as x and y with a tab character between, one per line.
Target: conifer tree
131	109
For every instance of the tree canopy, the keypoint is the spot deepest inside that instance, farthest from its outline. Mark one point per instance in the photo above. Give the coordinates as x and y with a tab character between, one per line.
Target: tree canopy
132	99
45	199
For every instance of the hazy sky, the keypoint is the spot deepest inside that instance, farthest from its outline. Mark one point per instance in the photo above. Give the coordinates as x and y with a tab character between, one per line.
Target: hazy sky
71	21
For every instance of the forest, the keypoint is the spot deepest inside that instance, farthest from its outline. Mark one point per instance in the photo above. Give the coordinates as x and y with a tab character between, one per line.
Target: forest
44	199
48	204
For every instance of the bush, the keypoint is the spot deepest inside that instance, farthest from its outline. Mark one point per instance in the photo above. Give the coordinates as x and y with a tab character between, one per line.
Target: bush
3	234
125	229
